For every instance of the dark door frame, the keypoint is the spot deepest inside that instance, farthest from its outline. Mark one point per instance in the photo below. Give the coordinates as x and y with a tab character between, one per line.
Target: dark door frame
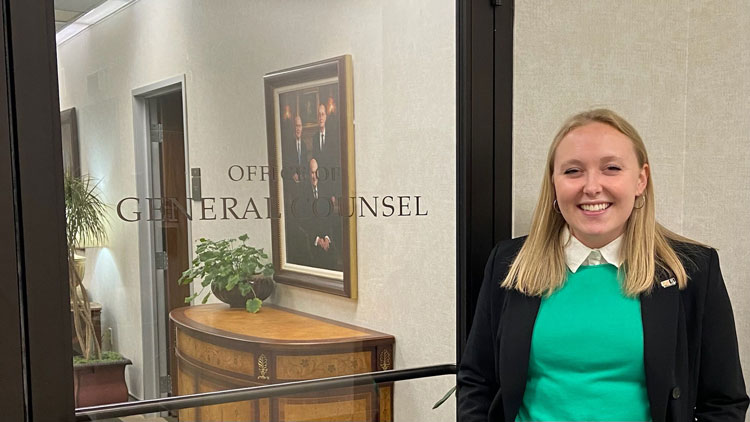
31	133
484	145
11	358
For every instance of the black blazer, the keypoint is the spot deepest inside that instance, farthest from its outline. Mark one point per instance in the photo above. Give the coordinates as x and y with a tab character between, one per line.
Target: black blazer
690	345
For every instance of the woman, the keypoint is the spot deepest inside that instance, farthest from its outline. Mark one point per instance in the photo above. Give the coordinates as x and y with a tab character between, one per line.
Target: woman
601	313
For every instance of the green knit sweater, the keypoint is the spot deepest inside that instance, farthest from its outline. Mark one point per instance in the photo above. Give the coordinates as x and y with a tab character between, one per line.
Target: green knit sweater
586	359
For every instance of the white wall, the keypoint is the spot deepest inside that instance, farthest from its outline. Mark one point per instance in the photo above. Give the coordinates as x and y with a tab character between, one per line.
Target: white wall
677	70
404	93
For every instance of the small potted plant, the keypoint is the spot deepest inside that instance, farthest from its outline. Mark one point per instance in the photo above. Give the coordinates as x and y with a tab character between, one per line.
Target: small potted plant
99	378
238	274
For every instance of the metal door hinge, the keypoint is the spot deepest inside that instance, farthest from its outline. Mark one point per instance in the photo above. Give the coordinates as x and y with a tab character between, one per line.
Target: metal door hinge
165	384
160	259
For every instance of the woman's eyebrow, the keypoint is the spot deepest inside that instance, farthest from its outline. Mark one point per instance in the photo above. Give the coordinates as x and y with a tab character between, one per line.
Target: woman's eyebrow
571	162
610	158
577	162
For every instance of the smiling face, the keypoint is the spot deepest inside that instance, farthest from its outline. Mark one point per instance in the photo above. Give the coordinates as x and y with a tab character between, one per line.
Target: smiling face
597	177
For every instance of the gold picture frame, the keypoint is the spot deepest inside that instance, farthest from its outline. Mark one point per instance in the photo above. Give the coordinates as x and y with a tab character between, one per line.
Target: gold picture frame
310	129
69	136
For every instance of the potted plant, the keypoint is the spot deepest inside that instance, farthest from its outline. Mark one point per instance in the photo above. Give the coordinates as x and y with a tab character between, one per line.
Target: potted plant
238	274
99	378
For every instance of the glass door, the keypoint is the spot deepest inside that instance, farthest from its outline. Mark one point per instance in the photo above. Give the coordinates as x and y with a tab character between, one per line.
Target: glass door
320	205
280	192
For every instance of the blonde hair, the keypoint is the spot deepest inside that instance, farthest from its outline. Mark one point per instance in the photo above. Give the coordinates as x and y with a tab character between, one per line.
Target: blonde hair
540	268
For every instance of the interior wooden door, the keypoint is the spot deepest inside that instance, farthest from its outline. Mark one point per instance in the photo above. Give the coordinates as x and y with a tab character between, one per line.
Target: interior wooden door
174	205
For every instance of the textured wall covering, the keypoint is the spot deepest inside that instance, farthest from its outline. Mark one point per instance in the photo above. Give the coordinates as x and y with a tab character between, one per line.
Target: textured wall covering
404	91
716	187
677	70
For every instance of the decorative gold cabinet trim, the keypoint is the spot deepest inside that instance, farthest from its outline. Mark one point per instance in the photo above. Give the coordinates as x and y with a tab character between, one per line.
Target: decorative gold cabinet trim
263	367
384	360
215	356
320	366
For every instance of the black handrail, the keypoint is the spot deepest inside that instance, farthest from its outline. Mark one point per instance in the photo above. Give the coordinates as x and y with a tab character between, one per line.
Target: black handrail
254	393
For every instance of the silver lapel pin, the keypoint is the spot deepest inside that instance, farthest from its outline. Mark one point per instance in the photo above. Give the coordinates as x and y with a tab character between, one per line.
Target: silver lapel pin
668	283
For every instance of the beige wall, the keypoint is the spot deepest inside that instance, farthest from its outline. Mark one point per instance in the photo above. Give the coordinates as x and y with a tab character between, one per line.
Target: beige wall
404	92
677	70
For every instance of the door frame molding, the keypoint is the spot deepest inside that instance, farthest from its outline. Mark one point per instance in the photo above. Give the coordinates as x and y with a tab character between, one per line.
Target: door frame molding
12	357
35	169
144	178
484	134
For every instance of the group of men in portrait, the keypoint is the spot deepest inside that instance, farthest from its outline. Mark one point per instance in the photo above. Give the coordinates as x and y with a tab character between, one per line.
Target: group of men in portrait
312	183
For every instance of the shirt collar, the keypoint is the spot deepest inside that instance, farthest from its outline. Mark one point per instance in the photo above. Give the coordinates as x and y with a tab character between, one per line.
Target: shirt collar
577	254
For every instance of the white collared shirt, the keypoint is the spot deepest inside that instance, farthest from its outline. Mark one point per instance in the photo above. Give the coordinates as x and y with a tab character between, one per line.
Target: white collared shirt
577	254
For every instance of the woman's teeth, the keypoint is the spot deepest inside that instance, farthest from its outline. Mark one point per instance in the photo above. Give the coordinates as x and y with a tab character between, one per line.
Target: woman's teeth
594	207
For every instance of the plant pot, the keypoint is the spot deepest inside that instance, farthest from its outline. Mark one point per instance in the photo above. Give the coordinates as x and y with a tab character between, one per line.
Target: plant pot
263	287
99	383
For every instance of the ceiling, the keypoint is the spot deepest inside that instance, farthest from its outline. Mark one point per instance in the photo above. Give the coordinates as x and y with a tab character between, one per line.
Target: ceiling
67	11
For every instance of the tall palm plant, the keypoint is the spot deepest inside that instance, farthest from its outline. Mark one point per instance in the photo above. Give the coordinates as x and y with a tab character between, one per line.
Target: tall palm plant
86	222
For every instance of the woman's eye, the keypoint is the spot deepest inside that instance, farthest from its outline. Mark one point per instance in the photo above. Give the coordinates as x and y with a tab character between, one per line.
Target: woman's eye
570	171
613	168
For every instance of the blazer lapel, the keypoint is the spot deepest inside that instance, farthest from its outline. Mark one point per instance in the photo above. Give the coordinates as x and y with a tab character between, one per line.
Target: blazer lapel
659	312
517	325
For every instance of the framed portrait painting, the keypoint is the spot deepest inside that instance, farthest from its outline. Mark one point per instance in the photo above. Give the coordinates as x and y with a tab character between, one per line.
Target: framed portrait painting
69	135
309	121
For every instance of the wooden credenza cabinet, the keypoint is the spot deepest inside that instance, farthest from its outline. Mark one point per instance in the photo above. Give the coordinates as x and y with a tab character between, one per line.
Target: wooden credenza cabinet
219	348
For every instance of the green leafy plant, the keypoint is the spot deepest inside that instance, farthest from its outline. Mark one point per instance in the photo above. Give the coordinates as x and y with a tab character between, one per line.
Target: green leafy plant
445	397
105	357
228	264
85	213
86	223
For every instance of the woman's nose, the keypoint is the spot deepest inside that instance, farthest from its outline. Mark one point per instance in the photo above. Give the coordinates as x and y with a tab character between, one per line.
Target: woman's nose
592	186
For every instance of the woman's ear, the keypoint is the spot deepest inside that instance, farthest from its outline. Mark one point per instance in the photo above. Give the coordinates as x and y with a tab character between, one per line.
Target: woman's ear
643	176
